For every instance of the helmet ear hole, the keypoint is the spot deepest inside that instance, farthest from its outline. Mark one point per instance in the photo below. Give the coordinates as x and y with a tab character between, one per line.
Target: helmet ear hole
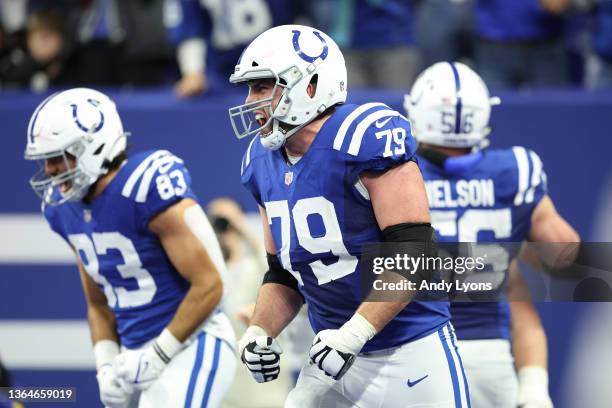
99	150
313	81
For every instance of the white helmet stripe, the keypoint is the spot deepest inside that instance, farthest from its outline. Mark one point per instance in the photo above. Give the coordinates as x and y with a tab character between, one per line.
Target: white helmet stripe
35	116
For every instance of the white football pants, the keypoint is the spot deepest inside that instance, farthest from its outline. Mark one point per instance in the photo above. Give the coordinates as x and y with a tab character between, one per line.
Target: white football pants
426	373
489	367
199	375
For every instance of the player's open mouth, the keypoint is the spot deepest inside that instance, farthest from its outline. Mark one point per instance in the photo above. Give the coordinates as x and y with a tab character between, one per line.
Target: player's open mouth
261	121
260	118
64	187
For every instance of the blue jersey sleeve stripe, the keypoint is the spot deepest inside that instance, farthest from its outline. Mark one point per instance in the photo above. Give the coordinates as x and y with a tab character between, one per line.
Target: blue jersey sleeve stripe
129	185
523	173
246	159
361	189
348	121
248	154
536	176
364	125
143	189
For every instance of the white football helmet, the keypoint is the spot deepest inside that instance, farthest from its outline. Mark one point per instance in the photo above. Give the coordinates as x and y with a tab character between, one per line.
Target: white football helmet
292	55
82	123
449	105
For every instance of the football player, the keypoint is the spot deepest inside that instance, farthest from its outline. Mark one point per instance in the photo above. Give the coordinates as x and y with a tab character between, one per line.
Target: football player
478	195
149	262
325	176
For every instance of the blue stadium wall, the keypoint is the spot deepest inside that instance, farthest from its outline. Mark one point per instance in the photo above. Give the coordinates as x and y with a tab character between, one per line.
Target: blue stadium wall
570	130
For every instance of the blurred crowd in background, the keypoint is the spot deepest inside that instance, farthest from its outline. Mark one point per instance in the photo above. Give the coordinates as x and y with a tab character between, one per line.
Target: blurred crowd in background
194	44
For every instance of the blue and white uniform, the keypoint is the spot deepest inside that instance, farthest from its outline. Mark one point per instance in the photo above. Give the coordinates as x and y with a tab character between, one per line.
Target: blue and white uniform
142	287
320	215
487	197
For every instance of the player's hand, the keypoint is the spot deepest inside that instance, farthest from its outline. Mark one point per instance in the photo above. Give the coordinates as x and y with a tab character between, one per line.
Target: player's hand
139	368
533	388
334	351
112	393
191	84
261	354
330	355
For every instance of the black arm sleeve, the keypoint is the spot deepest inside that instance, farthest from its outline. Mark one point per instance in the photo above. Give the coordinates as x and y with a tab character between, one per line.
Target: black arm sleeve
277	274
417	240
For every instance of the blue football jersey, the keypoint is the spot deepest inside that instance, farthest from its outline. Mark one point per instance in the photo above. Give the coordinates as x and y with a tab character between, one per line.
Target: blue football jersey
227	25
120	253
488	197
320	215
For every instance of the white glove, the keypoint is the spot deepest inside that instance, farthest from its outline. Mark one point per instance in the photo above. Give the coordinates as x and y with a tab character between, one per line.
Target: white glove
334	351
533	388
140	368
112	394
261	354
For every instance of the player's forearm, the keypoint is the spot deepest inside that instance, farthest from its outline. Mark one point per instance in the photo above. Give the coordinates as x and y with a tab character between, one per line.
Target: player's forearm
277	305
379	314
528	336
199	302
102	325
530	350
530	355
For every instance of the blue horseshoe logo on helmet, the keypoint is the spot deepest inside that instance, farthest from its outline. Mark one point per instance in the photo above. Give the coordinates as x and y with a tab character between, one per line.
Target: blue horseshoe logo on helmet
302	54
94	103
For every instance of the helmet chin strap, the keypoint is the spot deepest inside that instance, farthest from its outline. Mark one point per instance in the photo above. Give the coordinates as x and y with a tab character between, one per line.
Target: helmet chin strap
276	139
278	136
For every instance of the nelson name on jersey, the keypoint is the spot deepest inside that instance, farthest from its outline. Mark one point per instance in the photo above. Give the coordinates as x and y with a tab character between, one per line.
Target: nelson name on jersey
460	193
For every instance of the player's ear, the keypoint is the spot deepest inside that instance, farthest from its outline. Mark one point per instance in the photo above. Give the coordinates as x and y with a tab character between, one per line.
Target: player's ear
311	89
